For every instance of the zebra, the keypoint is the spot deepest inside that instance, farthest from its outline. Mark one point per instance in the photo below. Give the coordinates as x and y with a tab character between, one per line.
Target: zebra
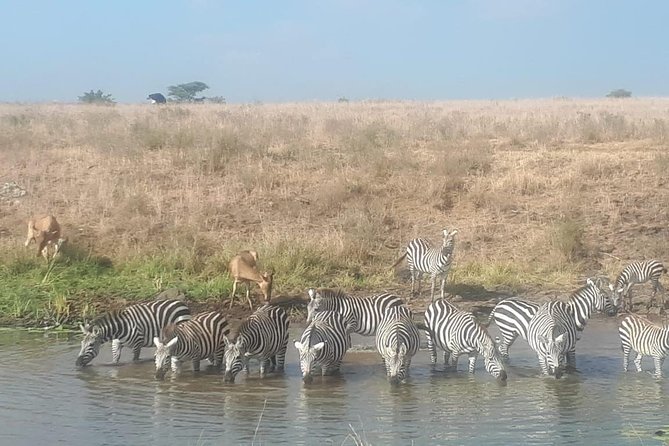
552	335
645	338
397	340
324	343
135	325
366	312
639	272
457	332
264	334
196	339
422	258
512	315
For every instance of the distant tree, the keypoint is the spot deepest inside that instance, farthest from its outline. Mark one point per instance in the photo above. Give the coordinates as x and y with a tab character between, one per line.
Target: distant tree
186	92
343	99
97	97
619	93
216	99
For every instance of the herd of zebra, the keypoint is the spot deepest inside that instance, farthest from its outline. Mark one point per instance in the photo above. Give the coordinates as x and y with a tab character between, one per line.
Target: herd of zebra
551	329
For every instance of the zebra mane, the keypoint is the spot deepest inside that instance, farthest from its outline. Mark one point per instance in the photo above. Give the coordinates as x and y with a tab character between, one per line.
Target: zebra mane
99	320
329	293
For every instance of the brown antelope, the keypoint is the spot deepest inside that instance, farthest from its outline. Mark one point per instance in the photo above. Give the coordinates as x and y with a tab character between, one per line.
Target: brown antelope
45	231
243	269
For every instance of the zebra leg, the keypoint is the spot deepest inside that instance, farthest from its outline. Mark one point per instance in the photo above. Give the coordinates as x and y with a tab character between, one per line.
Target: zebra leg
433	279
196	365
454	360
472	362
136	351
658	366
626	357
505	343
280	358
431	348
637	362
543	363
175	365
447	357
116	347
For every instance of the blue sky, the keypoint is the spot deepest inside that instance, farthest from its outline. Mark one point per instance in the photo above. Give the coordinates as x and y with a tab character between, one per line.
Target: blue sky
302	50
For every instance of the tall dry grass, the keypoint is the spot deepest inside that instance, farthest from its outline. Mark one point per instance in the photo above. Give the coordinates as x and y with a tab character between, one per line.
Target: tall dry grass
542	191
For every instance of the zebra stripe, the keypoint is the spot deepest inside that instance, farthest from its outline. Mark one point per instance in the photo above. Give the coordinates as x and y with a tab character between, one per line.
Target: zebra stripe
263	335
135	325
367	312
552	335
636	273
324	343
457	332
199	338
645	338
513	315
397	340
423	258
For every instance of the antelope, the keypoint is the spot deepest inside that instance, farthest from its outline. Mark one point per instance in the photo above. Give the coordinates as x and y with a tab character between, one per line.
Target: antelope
45	231
243	269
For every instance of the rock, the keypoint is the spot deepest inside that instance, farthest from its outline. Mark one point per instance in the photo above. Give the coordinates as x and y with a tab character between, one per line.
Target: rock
10	191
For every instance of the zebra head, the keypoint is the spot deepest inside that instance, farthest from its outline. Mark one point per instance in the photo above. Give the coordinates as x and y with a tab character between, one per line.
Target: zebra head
163	356
395	363
90	345
308	355
604	302
492	360
553	351
236	358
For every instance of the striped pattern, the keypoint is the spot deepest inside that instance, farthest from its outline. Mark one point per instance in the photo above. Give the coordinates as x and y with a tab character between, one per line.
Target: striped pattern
457	332
135	326
639	272
552	334
645	338
202	337
324	343
397	340
263	335
513	315
423	258
366	312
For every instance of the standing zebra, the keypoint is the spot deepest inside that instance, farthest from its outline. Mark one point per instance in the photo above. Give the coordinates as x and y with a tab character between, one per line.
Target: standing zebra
513	315
645	338
135	325
264	334
397	340
457	332
552	335
640	272
324	343
422	258
199	338
366	312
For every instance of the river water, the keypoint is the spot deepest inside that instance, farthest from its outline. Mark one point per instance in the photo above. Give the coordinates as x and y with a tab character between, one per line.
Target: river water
44	399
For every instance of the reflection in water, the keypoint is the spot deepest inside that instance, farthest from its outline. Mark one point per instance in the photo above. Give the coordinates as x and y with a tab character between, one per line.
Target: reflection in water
46	399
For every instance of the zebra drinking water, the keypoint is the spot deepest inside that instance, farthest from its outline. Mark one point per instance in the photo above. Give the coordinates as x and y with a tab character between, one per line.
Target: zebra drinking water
645	338
457	332
135	325
397	340
199	338
552	334
640	272
367	312
423	258
264	335
324	343
513	315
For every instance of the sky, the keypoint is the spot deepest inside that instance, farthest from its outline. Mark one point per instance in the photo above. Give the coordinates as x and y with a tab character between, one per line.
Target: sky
319	50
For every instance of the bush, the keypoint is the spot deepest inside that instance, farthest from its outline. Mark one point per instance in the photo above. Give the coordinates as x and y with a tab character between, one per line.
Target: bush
619	93
97	97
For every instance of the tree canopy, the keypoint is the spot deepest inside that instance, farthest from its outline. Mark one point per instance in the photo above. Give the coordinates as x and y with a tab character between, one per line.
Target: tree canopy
186	92
97	97
619	93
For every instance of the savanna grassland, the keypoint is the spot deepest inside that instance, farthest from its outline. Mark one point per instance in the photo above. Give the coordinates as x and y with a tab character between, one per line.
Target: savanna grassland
543	193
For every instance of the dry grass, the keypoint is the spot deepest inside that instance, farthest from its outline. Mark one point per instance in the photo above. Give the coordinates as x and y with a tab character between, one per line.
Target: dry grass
329	193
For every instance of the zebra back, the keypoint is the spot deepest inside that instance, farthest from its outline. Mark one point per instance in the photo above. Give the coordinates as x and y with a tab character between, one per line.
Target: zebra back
639	272
644	337
397	340
587	299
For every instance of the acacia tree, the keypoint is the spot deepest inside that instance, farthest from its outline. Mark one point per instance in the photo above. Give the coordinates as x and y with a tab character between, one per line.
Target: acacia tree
186	92
97	97
619	93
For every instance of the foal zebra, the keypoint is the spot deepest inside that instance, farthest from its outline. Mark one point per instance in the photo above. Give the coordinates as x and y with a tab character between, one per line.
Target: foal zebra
366	312
135	325
645	338
324	343
457	332
397	340
264	334
640	272
513	315
199	338
552	335
422	258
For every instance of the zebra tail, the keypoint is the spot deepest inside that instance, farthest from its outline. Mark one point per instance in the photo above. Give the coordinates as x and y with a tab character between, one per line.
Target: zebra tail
486	324
400	259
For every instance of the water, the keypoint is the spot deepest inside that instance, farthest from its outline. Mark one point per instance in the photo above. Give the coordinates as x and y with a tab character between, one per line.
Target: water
45	399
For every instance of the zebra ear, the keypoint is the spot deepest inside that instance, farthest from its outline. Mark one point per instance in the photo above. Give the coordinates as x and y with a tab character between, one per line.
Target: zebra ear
589	281
298	345
403	349
247	354
157	342
172	342
312	293
611	286
226	341
319	346
83	329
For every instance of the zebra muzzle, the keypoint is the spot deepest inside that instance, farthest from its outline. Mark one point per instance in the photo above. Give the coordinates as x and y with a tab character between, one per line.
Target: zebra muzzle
307	379
80	362
502	376
160	373
229	377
